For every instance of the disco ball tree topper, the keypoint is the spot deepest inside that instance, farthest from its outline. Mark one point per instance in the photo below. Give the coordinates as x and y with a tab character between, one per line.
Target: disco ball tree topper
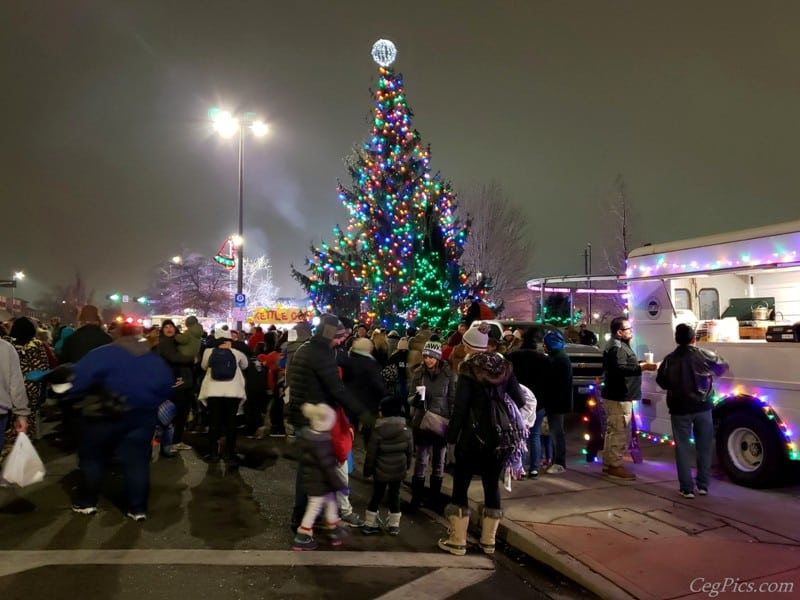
384	52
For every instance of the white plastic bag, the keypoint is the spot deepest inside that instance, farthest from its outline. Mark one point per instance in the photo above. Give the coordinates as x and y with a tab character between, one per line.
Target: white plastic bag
528	411
23	466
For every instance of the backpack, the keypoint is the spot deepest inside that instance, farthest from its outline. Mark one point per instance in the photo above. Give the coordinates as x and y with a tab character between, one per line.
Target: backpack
503	432
222	364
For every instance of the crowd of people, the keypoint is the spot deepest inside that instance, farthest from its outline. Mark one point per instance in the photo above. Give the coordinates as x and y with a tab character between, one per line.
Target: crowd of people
415	401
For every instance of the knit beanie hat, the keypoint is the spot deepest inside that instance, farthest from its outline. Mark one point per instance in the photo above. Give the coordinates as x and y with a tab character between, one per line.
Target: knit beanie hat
433	349
393	334
477	337
320	416
402	343
328	324
224	333
362	346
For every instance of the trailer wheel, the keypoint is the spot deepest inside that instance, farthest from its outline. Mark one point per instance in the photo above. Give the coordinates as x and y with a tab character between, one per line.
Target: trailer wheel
750	450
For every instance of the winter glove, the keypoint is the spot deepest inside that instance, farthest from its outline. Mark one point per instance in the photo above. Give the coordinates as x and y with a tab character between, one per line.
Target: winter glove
417	402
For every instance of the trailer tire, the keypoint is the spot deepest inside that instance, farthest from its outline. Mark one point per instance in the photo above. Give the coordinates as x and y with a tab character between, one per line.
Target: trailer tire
750	450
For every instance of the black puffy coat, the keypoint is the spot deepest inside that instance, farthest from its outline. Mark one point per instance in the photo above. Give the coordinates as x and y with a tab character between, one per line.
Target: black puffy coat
362	376
314	378
389	450
318	463
440	398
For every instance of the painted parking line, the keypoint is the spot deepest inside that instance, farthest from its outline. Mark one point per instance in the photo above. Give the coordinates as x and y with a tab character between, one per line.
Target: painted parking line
17	561
438	585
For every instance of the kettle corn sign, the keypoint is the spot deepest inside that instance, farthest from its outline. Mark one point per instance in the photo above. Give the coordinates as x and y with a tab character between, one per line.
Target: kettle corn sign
278	315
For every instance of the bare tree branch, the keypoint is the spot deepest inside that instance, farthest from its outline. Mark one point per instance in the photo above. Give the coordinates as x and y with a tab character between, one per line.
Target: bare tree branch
499	246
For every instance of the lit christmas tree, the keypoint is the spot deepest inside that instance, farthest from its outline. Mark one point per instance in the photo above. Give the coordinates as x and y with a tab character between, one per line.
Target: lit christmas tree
399	254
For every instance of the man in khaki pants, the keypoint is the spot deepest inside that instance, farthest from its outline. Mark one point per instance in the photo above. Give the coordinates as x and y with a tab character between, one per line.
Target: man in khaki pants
622	378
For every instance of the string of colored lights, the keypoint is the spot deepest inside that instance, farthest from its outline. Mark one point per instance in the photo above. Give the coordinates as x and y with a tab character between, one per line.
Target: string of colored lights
399	252
769	412
779	251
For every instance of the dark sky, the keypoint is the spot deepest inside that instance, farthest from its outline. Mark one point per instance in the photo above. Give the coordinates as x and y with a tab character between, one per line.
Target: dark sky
108	165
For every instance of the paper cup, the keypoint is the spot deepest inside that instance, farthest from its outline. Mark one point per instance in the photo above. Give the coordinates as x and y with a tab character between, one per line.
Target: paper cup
421	392
648	357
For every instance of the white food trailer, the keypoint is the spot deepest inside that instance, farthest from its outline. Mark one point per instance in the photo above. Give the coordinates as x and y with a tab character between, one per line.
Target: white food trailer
742	292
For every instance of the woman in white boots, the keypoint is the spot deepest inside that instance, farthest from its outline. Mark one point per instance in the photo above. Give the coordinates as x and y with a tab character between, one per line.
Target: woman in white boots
484	377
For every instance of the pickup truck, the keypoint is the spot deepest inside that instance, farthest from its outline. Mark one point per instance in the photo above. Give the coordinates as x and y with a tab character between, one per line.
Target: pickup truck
587	361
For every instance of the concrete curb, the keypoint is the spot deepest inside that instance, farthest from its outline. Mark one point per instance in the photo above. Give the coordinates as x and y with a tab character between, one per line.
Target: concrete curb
538	548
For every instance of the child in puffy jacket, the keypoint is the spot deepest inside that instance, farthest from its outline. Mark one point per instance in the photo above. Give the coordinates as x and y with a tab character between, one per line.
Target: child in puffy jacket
320	476
388	458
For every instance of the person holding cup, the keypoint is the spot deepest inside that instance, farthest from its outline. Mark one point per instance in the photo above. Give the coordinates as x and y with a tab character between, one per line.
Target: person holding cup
435	389
622	377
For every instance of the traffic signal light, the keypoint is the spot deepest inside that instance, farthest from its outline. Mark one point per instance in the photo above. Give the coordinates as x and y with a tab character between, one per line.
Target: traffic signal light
142	300
115	297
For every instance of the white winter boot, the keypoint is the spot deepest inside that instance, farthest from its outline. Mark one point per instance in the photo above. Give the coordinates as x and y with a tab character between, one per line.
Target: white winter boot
371	526
456	541
393	525
491	520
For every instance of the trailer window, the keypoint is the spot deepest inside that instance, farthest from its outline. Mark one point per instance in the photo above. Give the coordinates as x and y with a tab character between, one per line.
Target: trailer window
708	298
683	299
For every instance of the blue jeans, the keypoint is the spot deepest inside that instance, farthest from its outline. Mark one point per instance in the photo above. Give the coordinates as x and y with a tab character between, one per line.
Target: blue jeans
535	441
701	425
128	438
556	423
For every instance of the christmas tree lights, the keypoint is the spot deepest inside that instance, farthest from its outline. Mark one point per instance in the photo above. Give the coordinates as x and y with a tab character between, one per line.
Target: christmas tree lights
399	252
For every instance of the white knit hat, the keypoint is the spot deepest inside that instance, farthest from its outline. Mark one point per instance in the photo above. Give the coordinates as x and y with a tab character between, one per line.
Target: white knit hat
477	337
362	346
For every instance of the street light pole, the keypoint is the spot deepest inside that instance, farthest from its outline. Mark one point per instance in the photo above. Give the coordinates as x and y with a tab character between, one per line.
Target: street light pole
240	246
226	125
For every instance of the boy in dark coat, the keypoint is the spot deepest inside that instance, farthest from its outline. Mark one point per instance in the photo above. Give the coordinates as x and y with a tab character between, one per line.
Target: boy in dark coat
388	458
320	476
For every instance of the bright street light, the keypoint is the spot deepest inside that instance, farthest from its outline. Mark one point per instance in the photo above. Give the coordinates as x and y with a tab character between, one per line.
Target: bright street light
176	260
227	125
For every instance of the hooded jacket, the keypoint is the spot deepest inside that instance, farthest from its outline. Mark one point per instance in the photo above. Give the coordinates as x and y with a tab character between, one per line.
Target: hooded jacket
389	450
318	464
478	374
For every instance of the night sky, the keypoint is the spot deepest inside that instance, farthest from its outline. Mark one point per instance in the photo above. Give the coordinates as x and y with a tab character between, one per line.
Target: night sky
109	165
